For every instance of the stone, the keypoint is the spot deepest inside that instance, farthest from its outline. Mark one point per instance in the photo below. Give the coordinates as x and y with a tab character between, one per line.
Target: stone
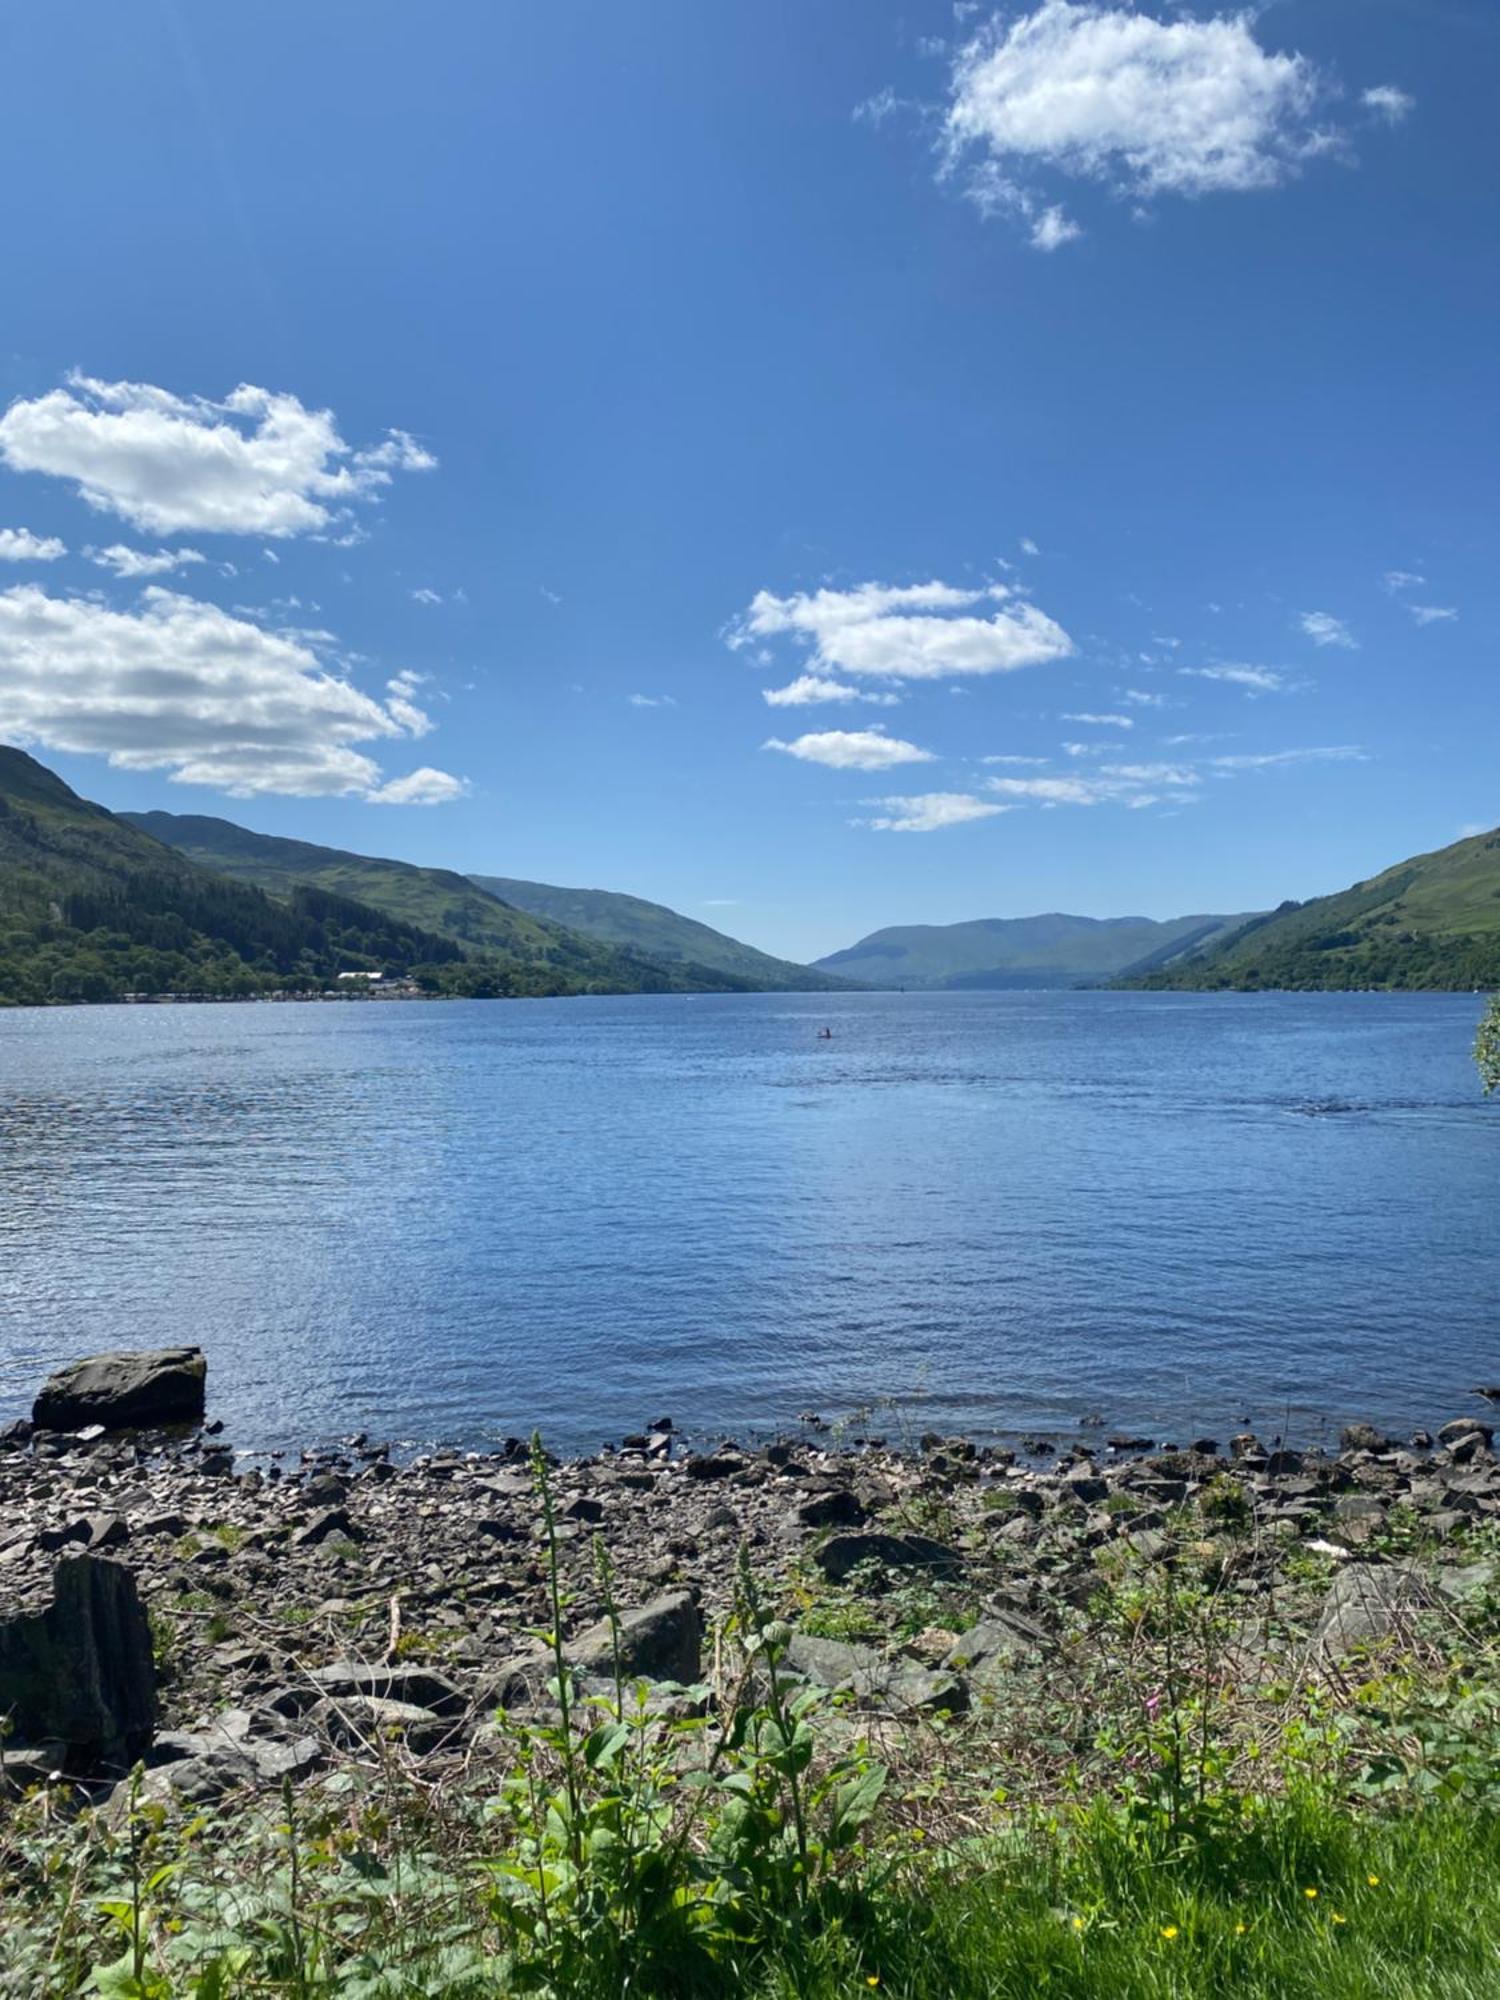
1361	1437
420	1687
900	1687
1367	1603
1463	1427
718	1465
106	1531
583	1507
661	1640
335	1521
78	1665
359	1720
842	1553
836	1509
125	1391
1004	1636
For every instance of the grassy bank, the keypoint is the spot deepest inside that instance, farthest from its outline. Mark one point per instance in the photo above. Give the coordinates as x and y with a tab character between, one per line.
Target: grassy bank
1175	1806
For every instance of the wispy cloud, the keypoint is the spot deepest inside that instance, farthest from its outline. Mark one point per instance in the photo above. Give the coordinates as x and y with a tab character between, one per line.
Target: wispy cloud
1257	680
1326	630
426	595
1103	721
257	463
1397	580
652	700
852	749
923	631
1338	753
809	689
930	812
130	563
1433	614
1389	103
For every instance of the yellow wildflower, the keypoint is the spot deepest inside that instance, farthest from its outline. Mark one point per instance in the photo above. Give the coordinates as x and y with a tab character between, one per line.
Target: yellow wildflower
1239	1930
1078	1923
873	1980
1169	1931
1311	1895
1337	1918
1373	1880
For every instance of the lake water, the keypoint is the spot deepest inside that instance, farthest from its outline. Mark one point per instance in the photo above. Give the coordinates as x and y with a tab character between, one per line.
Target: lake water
1006	1211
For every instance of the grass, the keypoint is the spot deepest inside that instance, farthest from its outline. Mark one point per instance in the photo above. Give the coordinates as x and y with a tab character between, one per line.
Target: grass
1135	1823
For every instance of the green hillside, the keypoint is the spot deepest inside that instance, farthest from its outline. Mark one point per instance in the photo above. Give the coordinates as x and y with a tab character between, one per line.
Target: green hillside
554	957
999	952
658	931
1432	922
92	908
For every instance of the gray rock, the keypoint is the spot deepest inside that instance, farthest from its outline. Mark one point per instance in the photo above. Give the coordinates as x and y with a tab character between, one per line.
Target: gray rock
77	1664
661	1640
837	1509
361	1720
1367	1603
124	1391
421	1687
1361	1437
1004	1636
899	1687
1464	1427
335	1521
842	1553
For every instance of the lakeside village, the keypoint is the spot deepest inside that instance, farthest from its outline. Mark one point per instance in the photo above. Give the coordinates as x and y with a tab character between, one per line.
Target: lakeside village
350	986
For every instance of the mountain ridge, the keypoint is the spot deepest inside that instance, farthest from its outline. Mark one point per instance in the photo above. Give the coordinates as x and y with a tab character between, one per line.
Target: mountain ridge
1051	949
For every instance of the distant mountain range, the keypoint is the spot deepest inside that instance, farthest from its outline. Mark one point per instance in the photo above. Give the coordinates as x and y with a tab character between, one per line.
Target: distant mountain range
659	932
1432	922
1000	952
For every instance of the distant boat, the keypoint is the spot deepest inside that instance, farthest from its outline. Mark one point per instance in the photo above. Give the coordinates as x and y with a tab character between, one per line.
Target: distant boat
825	1034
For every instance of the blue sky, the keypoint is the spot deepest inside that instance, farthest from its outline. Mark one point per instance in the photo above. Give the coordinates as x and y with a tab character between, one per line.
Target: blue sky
973	375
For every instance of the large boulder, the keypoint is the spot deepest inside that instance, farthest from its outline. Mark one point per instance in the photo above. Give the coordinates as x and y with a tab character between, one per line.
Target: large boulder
125	1391
661	1640
76	1663
1368	1603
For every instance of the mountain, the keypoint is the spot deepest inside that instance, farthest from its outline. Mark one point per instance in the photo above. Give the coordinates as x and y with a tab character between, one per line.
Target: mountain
993	952
483	925
658	931
91	908
1431	922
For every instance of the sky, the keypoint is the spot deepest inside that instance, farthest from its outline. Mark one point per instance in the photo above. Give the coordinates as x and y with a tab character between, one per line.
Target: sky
819	464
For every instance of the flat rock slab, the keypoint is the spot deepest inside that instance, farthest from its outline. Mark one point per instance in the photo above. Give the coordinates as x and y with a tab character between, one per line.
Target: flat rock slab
76	1662
162	1385
899	1687
842	1553
1367	1603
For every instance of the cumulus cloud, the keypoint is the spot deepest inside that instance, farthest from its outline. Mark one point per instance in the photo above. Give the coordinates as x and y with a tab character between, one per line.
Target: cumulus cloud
1388	102
810	688
852	749
1433	614
20	545
922	631
132	563
257	463
1258	680
183	686
1326	630
1102	92
930	812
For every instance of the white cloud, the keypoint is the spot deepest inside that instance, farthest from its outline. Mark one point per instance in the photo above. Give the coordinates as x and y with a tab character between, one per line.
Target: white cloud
924	631
652	700
1103	92
1104	721
183	686
930	812
426	596
1397	580
1338	753
422	787
1259	680
1326	630
1113	784
1029	547
143	562
852	749
1140	698
810	688
1033	762
1389	102
20	545
1053	228
1433	614
256	463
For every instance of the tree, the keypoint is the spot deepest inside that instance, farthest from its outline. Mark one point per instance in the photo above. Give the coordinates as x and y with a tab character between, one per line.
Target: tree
1487	1047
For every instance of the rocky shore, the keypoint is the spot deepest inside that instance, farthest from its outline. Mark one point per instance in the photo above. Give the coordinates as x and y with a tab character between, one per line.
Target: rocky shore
235	1627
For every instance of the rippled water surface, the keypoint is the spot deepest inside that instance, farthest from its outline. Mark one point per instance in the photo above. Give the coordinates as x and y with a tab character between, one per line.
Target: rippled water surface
456	1221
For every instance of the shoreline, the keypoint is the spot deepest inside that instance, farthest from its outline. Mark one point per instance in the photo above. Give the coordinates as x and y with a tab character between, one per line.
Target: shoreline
280	1597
